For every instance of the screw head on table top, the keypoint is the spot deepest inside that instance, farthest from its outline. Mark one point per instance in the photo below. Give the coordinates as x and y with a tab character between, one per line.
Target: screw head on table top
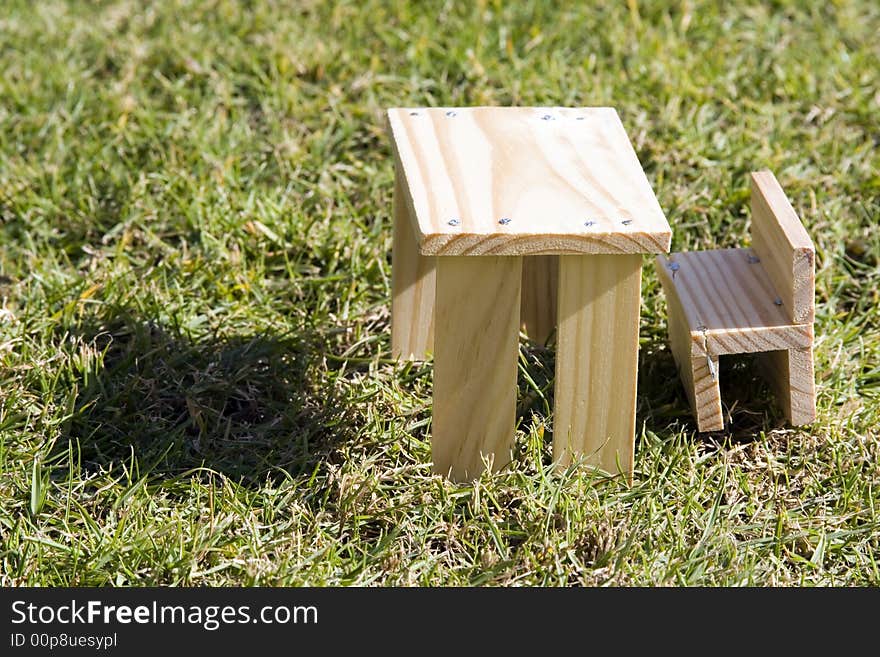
505	221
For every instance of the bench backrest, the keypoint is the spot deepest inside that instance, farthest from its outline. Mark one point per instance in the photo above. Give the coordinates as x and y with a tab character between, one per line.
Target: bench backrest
786	251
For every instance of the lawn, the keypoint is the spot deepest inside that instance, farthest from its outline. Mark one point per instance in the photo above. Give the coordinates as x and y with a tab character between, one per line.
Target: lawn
196	385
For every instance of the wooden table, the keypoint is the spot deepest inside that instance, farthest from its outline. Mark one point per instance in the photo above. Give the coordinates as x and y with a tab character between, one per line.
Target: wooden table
476	189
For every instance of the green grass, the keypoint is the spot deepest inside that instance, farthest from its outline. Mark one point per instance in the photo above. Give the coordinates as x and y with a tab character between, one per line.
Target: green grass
194	332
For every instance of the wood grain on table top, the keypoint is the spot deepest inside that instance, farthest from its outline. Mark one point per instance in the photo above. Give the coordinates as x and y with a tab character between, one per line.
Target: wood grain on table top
525	181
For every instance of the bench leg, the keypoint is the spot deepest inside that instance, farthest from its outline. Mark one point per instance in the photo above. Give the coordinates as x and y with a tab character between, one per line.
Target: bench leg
790	374
412	287
539	290
475	363
597	360
704	391
700	385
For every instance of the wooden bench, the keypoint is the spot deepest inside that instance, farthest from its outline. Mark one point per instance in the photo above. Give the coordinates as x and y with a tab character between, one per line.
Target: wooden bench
734	301
510	217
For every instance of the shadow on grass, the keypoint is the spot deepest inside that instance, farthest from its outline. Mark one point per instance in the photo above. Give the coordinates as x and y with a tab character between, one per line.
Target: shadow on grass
250	407
662	406
748	406
245	406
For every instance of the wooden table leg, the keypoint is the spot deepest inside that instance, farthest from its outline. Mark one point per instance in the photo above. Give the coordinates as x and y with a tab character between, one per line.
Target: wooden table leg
597	360
475	363
540	282
412	286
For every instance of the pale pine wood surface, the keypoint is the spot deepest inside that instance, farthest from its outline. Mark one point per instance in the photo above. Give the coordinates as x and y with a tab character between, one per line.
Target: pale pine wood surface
786	250
597	360
707	393
729	303
539	293
791	376
412	287
549	171
723	302
692	359
475	363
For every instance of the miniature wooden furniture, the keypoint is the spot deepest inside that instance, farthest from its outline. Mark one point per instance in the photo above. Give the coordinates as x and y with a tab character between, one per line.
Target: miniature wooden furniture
734	301
510	215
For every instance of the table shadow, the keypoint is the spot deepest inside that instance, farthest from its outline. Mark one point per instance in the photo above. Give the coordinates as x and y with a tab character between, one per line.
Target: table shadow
242	405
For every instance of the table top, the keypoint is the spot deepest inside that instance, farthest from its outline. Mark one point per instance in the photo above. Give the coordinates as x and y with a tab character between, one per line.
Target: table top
524	181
